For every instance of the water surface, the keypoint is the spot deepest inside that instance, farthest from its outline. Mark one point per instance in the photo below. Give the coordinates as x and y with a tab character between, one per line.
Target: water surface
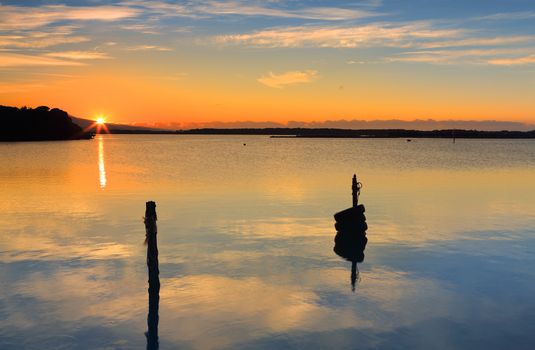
246	243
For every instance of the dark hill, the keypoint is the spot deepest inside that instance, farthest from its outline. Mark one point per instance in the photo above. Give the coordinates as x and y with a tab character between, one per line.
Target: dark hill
38	124
113	128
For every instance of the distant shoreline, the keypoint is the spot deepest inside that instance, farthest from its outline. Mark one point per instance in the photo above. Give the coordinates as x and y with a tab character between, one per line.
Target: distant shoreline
45	124
345	133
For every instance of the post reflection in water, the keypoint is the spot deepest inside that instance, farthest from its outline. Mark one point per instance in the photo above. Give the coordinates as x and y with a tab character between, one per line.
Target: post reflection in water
101	167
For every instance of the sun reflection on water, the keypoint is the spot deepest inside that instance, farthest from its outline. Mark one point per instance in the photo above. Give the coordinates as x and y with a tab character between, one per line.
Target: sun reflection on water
101	167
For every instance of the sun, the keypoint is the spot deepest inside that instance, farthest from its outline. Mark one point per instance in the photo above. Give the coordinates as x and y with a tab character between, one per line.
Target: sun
100	125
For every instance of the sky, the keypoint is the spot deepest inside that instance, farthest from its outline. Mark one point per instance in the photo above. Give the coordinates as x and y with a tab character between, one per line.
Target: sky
186	63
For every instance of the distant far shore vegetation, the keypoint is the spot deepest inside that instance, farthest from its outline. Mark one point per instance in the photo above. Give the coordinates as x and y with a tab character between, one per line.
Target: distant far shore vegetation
43	123
341	133
365	133
38	124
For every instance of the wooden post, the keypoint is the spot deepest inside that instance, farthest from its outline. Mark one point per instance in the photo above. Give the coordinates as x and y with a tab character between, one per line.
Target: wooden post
356	191
154	276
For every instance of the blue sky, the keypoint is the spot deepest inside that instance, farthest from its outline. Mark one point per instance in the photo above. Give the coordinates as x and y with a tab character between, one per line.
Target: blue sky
508	23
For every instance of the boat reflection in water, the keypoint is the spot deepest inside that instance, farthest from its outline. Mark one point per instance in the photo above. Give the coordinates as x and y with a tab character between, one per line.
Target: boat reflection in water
350	240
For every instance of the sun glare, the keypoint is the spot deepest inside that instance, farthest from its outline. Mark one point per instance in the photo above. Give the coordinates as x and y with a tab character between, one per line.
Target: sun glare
100	120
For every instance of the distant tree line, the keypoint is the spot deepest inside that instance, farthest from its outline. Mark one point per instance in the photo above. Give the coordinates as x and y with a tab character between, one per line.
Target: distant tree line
365	133
38	124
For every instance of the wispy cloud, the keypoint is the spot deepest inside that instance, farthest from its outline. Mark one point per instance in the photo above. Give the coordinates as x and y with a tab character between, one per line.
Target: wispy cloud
246	8
317	13
355	62
18	60
497	56
279	81
23	17
508	16
494	41
36	39
385	34
79	55
160	8
149	48
142	28
516	61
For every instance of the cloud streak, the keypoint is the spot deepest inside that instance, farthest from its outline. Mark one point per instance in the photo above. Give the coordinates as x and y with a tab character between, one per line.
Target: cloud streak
385	34
279	81
149	48
516	61
316	13
494	41
18	60
203	9
495	56
79	55
509	16
37	39
21	17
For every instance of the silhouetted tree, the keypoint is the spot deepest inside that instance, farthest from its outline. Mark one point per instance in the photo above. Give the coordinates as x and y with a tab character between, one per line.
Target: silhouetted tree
38	124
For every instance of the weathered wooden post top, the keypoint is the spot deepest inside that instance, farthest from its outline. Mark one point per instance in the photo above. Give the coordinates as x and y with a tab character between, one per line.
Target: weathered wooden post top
150	211
356	186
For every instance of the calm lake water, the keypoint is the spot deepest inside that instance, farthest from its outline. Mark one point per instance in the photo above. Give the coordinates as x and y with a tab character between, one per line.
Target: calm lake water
246	243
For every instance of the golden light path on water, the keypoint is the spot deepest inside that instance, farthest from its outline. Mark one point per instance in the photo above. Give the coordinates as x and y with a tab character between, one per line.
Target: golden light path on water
101	167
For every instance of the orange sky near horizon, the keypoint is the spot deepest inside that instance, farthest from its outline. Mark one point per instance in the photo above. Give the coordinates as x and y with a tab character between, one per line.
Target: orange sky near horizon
146	99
